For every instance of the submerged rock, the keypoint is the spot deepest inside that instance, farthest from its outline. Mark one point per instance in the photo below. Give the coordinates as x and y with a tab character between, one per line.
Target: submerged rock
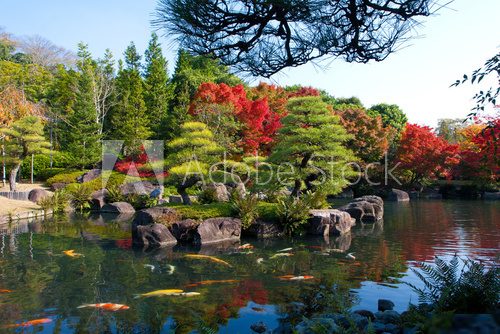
259	327
385	304
397	195
330	222
263	230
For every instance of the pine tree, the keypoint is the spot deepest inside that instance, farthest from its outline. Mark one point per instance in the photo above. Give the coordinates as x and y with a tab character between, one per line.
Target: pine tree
23	138
82	131
311	141
157	92
192	153
129	119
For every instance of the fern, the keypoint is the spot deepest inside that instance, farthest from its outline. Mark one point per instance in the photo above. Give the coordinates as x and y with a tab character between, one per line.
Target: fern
474	288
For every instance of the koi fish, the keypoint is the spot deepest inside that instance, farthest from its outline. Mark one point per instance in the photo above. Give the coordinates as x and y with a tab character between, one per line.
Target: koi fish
71	253
284	250
295	278
159	293
335	250
350	256
207	257
257	309
210	282
171	269
280	254
188	294
260	260
245	246
315	247
36	322
5	291
106	306
150	266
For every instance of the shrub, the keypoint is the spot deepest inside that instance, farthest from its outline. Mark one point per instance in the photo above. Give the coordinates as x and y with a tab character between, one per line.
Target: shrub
293	214
245	207
67	178
315	200
207	196
472	289
79	195
47	173
268	211
60	201
41	162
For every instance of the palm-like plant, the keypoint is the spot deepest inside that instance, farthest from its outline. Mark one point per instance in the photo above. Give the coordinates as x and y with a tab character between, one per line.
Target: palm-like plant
472	289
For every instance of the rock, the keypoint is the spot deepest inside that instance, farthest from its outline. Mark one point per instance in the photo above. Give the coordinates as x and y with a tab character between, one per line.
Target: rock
155	235
326	324
365	313
365	209
37	194
263	230
378	327
397	195
385	304
89	176
220	191
184	230
360	321
474	323
118	207
330	222
175	199
157	214
388	317
240	189
414	194
138	188
259	327
57	186
491	196
392	328
217	229
98	199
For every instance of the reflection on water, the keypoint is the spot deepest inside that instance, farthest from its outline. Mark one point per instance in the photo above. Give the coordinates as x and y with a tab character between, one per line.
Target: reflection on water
45	283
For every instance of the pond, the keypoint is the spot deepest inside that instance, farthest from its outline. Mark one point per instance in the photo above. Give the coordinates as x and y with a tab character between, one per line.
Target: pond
45	283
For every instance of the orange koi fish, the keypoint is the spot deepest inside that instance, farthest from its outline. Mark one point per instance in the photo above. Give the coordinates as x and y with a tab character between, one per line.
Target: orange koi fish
295	278
36	322
5	291
210	282
71	253
245	246
207	257
106	306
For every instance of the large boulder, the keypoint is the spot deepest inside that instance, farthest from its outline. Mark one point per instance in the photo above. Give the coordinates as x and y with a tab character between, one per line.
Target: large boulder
184	230
263	230
57	186
368	209
155	235
118	207
157	214
138	188
217	230
397	195
37	194
89	176
330	222
98	199
220	191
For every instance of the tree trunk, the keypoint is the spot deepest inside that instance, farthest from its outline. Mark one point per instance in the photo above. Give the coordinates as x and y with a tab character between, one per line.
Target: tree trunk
185	197
296	188
13	176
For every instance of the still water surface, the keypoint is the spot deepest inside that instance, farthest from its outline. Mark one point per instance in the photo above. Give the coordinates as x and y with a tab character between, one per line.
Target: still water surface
45	283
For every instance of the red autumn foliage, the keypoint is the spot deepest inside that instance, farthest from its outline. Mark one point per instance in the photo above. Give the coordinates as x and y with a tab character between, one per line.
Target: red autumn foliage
136	165
480	153
304	91
260	123
424	154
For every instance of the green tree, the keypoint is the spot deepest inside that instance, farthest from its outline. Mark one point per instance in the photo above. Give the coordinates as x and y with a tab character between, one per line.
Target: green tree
192	153
157	92
190	72
449	129
312	143
353	101
82	137
391	114
129	121
23	138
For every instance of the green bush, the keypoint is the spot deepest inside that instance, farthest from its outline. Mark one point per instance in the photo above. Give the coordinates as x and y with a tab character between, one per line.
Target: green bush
41	162
473	289
79	195
67	178
47	173
207	196
268	211
293	214
245	208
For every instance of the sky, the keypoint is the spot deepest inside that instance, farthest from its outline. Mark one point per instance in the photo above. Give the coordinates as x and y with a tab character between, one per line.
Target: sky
456	40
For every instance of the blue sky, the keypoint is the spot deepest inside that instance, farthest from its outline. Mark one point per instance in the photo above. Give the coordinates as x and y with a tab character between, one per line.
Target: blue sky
455	41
